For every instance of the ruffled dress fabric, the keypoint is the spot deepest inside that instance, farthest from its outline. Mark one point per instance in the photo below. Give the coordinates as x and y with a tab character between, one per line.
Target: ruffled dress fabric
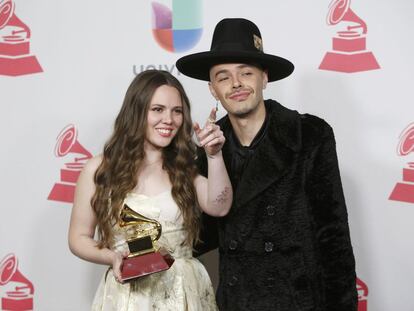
185	286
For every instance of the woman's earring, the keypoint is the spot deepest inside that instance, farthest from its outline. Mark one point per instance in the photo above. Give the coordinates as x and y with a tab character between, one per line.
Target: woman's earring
217	102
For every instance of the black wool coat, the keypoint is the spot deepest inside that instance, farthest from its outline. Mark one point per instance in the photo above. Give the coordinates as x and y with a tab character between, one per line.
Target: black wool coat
285	244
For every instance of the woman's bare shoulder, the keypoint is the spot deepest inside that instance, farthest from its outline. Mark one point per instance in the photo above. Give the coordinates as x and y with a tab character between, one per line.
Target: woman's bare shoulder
92	164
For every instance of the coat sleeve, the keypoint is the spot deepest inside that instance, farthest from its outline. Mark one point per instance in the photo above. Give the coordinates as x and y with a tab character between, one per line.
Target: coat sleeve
208	227
330	218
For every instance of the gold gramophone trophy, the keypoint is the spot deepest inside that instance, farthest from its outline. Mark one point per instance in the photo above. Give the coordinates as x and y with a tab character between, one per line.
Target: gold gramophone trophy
145	257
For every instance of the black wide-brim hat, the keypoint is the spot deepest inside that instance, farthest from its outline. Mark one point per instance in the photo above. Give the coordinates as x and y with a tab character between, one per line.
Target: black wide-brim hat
235	40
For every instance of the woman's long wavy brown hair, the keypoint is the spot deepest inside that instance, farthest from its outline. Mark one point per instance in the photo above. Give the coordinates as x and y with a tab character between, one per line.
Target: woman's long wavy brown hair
124	152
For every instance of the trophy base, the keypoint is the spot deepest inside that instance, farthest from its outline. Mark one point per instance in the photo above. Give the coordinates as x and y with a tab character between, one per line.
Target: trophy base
403	192
70	176
18	66
349	63
349	44
143	265
62	193
16	303
362	305
14	49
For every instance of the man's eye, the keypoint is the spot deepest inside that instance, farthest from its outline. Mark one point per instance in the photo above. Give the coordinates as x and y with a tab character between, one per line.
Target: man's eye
247	73
222	79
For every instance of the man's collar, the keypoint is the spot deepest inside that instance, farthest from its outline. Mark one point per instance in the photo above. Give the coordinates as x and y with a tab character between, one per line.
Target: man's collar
284	125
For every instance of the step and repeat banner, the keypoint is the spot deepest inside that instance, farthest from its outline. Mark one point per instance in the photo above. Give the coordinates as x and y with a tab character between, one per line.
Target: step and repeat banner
64	70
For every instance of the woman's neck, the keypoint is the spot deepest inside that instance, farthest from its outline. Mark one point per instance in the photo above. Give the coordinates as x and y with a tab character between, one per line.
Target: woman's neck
152	156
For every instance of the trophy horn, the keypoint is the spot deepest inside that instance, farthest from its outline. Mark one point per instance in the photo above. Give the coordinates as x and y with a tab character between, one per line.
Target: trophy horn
9	272
6	12
362	288
339	10
130	217
406	143
67	143
9	18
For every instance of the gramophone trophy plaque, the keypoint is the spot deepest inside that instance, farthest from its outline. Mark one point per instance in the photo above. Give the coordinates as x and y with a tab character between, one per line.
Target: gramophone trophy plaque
64	191
21	295
15	57
349	53
142	235
404	191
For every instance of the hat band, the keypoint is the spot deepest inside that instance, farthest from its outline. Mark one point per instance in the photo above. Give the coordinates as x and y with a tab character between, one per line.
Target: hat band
235	47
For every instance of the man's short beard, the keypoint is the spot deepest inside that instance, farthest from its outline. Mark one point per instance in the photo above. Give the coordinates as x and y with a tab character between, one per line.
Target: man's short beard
243	114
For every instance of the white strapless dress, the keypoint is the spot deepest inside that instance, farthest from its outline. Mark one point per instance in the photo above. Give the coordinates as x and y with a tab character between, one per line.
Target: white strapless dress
185	286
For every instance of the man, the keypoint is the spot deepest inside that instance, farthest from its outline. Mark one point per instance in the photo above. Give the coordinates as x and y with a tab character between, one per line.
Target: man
285	244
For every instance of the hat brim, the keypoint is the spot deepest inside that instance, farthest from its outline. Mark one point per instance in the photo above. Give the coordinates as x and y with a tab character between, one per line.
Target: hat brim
198	65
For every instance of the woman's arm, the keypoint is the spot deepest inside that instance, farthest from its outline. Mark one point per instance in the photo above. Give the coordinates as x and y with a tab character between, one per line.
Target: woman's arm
83	223
215	193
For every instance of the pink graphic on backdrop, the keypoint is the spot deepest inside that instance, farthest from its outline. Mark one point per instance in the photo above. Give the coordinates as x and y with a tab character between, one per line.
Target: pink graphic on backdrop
362	289
15	57
67	142
19	291
404	191
349	53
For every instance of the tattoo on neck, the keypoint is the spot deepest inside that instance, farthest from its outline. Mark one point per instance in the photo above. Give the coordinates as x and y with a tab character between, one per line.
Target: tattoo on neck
223	196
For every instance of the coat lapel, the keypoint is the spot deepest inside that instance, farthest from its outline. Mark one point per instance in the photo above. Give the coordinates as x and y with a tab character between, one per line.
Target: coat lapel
274	155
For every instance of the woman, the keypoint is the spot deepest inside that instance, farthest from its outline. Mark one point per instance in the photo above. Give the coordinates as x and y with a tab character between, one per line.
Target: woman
149	165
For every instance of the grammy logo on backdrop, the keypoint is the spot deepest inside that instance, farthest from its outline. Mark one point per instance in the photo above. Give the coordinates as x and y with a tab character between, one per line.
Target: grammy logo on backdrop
349	53
67	142
404	191
15	57
20	297
362	290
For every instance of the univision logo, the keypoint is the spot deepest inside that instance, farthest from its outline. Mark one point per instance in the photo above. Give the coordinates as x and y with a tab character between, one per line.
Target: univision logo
179	29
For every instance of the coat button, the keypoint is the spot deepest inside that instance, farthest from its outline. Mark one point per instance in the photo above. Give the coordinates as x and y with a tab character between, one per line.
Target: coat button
233	245
271	209
233	280
268	247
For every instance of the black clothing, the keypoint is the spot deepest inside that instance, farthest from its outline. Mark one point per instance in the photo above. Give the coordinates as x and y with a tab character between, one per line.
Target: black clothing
285	244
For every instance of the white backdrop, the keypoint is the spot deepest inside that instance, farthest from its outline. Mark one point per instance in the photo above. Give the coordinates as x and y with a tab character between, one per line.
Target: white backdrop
87	54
